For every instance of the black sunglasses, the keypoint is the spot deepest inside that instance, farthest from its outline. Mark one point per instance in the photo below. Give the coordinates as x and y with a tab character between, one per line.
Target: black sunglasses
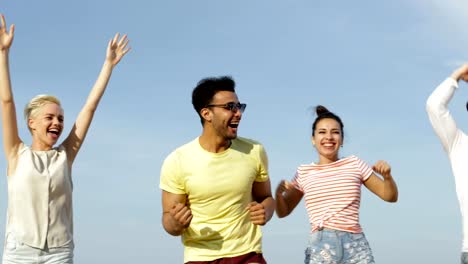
466	106
233	107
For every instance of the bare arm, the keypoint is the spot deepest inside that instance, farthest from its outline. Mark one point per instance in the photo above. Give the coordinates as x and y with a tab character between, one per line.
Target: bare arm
263	207
386	189
287	198
11	140
116	49
176	214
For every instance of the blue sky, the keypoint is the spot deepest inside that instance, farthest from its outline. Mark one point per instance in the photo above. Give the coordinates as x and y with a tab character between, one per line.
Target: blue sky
374	63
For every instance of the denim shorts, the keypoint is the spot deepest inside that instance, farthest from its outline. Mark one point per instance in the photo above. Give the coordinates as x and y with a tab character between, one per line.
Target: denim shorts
16	252
338	247
464	258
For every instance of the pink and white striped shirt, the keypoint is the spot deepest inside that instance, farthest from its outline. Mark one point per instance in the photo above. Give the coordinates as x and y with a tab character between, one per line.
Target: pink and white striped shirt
332	192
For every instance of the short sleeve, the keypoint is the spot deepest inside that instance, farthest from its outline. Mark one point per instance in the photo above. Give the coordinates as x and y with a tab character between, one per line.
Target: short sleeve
262	175
171	177
364	169
296	181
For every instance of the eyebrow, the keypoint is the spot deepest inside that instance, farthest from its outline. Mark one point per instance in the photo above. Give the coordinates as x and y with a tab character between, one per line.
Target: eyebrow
230	102
49	114
333	129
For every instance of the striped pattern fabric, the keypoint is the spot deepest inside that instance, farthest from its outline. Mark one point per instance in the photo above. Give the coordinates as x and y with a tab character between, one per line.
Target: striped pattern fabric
332	193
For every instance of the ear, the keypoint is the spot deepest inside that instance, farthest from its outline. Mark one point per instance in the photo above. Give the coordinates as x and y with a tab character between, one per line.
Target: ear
206	114
313	141
31	124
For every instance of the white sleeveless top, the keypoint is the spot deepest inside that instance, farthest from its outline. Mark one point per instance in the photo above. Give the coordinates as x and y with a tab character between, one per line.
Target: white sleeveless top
40	198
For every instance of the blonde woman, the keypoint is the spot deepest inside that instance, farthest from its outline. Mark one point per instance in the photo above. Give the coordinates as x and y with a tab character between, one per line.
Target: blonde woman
39	227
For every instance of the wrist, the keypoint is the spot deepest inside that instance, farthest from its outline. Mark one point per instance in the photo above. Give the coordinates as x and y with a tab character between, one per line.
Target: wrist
455	76
108	64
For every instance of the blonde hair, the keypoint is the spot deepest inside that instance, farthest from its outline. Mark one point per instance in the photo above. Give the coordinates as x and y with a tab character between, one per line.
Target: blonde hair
32	108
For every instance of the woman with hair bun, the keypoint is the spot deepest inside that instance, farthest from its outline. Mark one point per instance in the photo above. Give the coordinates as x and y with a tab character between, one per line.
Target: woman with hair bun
39	226
332	191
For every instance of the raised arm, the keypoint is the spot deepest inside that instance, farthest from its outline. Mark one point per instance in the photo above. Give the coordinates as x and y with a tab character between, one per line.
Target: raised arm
116	49
386	189
437	108
11	140
287	197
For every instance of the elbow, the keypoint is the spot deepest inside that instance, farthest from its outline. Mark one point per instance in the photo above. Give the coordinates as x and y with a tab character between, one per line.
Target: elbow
281	214
434	106
7	101
171	229
430	105
392	198
282	211
172	232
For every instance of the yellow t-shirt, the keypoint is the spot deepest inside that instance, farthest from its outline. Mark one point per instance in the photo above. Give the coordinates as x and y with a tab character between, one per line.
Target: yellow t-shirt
218	187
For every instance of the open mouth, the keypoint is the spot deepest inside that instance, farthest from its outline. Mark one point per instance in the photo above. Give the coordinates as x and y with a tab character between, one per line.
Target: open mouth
329	145
55	132
234	124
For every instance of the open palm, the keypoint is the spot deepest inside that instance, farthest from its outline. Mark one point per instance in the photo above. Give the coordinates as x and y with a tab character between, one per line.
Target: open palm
117	49
5	38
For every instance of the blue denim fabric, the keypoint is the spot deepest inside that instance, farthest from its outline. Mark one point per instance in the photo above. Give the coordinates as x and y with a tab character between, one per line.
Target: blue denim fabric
464	258
338	247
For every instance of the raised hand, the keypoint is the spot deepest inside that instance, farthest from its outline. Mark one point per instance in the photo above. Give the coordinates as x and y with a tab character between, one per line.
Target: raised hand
181	215
461	73
6	38
257	213
117	49
283	186
382	168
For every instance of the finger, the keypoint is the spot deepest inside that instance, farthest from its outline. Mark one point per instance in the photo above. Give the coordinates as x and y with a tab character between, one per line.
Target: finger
257	213
251	204
258	220
109	45
182	215
3	21
123	45
126	50
260	217
124	37
189	219
255	207
114	40
288	185
186	216
178	207
12	29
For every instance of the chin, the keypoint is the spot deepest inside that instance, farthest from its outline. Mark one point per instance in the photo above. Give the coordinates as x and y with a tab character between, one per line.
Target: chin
231	137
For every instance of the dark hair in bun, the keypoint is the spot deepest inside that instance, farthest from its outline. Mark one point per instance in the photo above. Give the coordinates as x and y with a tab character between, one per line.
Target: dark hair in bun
322	113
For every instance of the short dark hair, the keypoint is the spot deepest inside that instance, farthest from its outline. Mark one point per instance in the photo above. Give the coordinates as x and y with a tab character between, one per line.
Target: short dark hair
206	89
322	113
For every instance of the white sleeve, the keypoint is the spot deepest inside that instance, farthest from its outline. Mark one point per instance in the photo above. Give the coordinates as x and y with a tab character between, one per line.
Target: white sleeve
437	108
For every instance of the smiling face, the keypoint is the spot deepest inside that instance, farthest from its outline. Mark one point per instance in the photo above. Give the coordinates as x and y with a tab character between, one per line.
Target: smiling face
46	126
221	121
327	139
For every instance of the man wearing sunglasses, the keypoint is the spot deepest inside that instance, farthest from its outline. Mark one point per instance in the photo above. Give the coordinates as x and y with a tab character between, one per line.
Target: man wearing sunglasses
215	189
454	141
